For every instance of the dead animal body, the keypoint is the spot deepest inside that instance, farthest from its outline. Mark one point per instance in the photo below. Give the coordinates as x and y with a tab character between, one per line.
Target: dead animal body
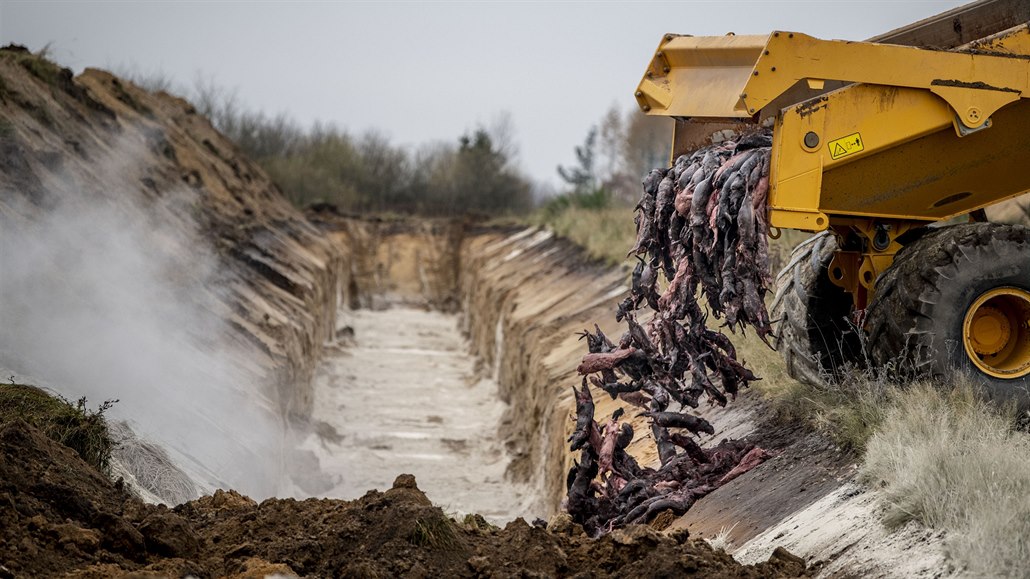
702	225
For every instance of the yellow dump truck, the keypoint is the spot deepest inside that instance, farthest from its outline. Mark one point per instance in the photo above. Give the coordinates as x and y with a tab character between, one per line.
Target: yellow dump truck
890	150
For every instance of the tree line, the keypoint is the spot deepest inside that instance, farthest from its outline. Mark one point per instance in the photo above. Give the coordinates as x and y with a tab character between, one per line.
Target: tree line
476	173
366	173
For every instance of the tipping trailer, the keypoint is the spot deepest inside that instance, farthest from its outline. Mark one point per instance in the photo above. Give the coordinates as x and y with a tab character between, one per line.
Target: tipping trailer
879	149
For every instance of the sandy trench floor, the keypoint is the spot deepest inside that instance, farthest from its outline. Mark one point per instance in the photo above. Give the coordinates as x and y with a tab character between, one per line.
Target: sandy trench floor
402	396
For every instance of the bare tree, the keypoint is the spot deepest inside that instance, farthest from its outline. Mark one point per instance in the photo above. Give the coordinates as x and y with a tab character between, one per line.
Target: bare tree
648	141
611	141
503	135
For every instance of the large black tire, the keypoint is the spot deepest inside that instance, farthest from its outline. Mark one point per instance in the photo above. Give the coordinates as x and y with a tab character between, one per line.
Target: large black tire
813	334
915	321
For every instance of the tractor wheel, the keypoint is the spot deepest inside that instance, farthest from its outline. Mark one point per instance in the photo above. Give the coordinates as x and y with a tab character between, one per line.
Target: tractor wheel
813	334
958	300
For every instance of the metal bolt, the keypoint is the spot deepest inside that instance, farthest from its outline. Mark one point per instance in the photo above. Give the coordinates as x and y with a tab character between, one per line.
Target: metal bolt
881	239
973	114
773	69
756	73
638	94
665	69
647	108
743	95
776	34
791	35
659	54
811	140
669	37
767	53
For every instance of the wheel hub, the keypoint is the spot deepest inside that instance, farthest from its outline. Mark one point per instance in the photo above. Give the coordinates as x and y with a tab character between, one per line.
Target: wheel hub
991	330
996	332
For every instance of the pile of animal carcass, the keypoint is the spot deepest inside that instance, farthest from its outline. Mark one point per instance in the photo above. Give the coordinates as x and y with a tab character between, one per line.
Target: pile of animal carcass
701	224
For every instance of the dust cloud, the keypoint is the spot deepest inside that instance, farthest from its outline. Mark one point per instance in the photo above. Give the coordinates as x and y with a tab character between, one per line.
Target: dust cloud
112	296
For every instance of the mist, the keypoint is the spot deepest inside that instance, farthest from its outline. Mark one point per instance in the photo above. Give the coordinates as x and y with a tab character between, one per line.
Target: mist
108	295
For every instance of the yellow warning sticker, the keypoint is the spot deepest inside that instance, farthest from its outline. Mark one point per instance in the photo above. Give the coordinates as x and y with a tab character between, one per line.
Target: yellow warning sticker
845	146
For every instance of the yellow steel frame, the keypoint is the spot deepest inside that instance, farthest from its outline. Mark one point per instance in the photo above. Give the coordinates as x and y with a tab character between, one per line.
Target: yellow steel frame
906	146
736	76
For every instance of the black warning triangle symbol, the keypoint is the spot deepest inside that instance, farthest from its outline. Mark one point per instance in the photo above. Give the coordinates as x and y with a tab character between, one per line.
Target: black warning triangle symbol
839	150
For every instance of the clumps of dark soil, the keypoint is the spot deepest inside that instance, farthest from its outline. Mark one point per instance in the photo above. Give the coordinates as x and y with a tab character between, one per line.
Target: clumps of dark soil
60	517
702	225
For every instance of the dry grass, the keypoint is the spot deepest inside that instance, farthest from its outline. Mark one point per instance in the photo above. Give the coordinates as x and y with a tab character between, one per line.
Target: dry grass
721	541
606	233
40	66
848	412
953	461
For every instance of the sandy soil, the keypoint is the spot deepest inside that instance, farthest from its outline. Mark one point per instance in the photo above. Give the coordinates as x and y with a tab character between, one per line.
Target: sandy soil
402	395
841	534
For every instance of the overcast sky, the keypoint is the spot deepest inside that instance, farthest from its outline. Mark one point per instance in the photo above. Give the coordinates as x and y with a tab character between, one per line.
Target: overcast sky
424	71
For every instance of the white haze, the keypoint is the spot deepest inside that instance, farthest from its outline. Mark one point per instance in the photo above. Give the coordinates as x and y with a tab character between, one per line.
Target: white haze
108	297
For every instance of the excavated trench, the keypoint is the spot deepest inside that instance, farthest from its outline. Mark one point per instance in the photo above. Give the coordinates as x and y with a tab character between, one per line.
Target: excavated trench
454	349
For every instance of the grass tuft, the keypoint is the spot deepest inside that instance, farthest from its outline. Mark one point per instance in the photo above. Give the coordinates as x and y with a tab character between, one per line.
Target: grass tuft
41	67
951	460
849	412
476	522
435	532
721	541
72	424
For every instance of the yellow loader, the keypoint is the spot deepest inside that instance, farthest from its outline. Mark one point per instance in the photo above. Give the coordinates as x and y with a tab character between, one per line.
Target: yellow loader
889	150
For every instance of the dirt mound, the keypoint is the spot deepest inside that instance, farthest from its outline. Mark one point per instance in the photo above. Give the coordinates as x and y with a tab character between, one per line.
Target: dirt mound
60	517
